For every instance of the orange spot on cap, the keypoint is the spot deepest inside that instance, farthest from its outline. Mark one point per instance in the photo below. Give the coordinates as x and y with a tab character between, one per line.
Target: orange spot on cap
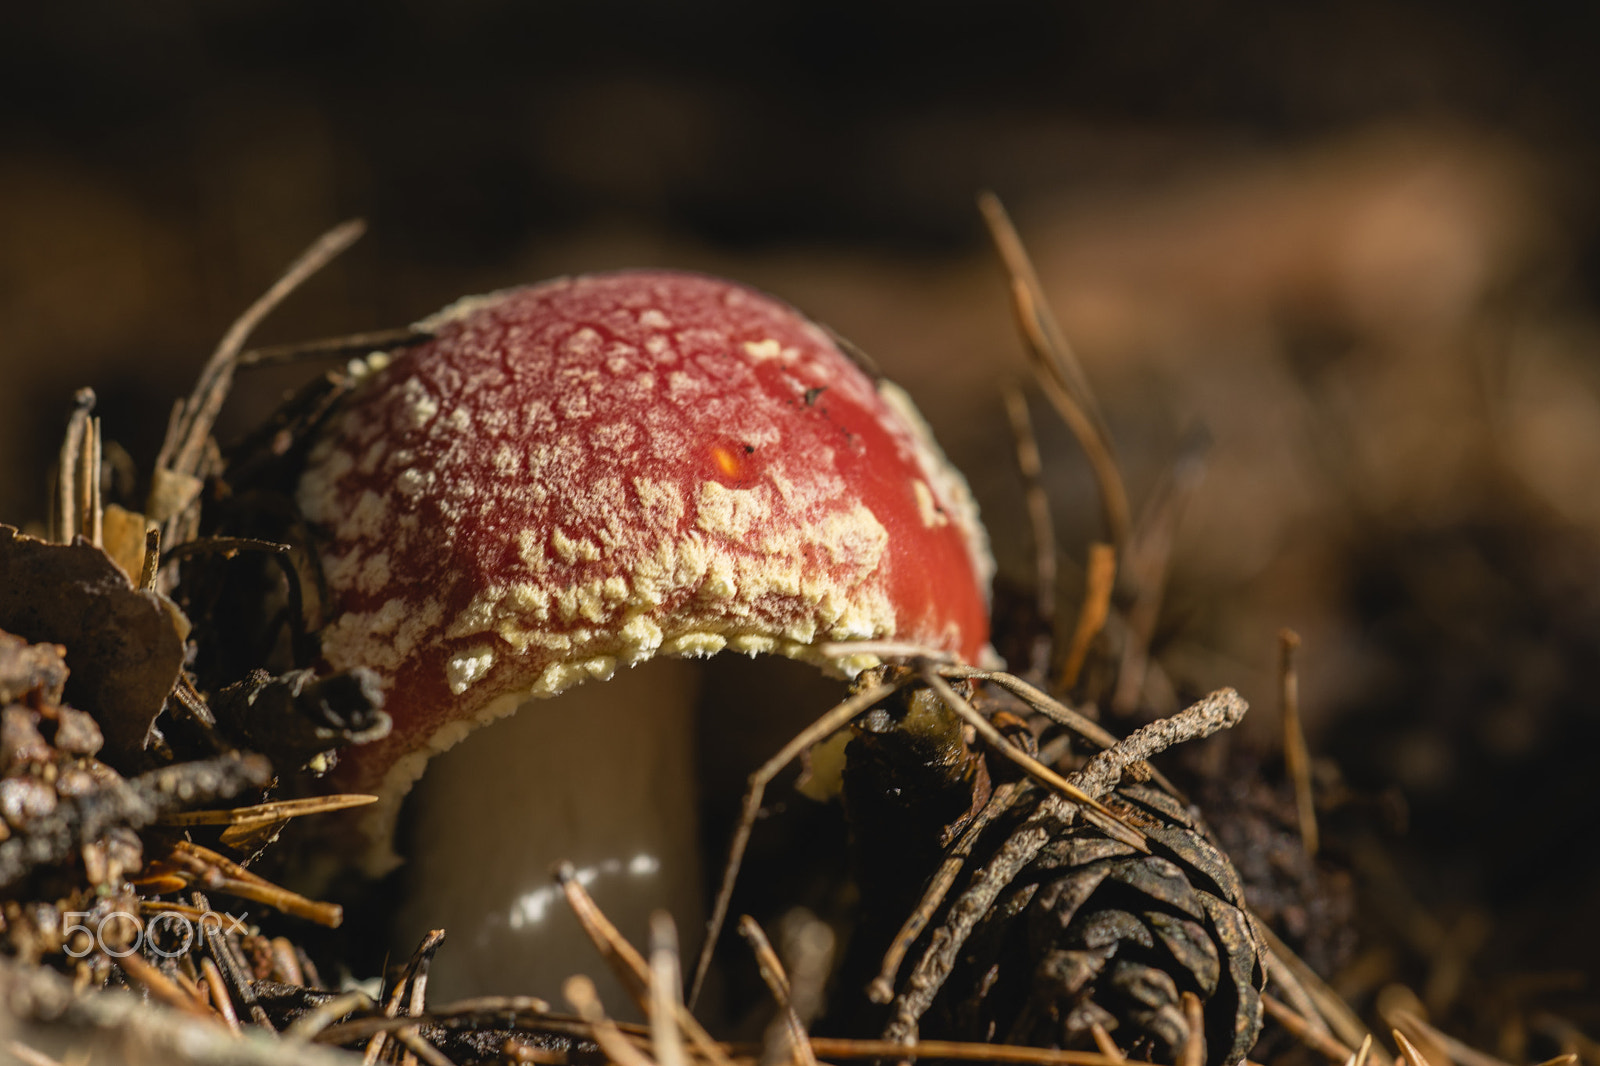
729	461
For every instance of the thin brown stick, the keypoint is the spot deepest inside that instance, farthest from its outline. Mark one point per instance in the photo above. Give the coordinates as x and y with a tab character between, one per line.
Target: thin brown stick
69	465
884	649
152	558
626	962
314	1022
1459	1052
1362	1053
411	1036
93	511
1296	756
1056	366
1301	1029
1344	1021
788	1025
270	812
1094	812
1100	578
1040	524
834	1048
579	991
1057	712
1281	977
824	727
162	987
220	1000
666	991
332	347
1146	561
1222	709
222	874
1096	446
1409	1052
83	480
182	449
224	546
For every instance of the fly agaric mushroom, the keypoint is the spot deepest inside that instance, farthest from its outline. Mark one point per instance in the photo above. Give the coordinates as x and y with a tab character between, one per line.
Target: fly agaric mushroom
572	478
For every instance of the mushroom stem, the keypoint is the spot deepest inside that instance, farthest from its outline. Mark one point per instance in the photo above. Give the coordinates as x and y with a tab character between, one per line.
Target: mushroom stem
601	777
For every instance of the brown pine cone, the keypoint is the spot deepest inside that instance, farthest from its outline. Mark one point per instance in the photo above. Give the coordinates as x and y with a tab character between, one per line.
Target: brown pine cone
1093	931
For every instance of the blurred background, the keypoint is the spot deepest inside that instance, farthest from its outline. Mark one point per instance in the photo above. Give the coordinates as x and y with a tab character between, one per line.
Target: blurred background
1357	244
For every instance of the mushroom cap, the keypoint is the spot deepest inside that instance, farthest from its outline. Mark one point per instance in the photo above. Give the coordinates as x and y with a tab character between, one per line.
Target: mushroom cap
593	471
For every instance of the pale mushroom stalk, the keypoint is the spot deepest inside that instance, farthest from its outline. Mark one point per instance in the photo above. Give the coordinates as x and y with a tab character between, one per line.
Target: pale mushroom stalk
571	479
601	777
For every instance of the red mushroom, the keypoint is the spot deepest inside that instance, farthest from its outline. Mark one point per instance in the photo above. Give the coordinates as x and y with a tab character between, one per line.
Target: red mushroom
576	477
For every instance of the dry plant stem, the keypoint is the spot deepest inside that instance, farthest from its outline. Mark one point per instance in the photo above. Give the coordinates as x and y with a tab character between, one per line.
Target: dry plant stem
1296	756
91	514
332	347
579	991
1283	978
1095	812
270	812
1362	1053
224	546
1146	559
1039	522
626	962
1409	1053
1423	1035
162	987
1095	445
134	803
316	1021
884	649
286	962
1100	578
1058	713
396	1005
787	1040
236	976
1097	778
413	1040
219	992
881	989
519	1011
152	558
1344	1022
818	731
181	451
1300	1027
837	1048
832	1048
1221	710
413	983
222	874
1056	366
666	991
68	490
